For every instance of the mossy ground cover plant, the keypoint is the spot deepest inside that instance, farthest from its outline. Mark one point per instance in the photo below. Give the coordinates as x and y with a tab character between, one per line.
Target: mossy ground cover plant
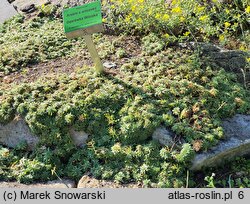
161	85
29	42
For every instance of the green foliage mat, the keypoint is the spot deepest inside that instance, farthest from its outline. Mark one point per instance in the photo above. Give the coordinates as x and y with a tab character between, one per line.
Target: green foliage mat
121	112
24	43
161	85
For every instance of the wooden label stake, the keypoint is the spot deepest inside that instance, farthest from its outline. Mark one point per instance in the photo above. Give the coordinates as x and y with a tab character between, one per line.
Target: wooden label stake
83	21
93	52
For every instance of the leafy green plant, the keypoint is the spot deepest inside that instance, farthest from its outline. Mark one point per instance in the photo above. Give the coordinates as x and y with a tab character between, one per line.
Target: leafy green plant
181	20
38	40
210	180
186	153
47	10
164	85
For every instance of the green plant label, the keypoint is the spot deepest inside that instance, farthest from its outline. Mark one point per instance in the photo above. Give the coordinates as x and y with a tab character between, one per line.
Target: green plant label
81	17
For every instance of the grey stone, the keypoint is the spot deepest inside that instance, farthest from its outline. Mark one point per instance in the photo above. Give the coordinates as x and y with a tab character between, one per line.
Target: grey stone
109	65
236	143
163	136
225	1
28	8
50	184
6	11
22	3
16	132
230	60
59	184
79	137
238	127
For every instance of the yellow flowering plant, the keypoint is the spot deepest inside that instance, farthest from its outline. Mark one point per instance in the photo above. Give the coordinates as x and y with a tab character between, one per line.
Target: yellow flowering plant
184	20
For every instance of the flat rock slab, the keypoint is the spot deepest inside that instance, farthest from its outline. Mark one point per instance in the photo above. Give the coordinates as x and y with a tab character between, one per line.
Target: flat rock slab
50	184
234	61
163	136
231	60
110	65
23	3
6	11
236	143
79	137
15	132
